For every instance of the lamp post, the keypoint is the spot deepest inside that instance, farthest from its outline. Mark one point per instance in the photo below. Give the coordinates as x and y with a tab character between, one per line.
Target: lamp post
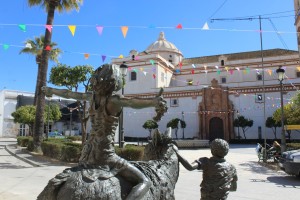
182	115
280	73
123	69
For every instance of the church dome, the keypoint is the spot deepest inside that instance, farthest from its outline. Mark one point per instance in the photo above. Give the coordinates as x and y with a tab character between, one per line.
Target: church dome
162	45
166	49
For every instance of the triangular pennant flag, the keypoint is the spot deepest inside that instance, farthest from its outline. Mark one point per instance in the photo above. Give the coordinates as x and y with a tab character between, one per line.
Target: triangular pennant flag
99	29
226	68
22	27
86	55
28	45
129	68
154	76
247	69
136	58
48	48
193	66
103	58
121	56
231	71
153	69
193	71
142	69
177	70
152	62
5	46
49	28
179	26
218	72
270	72
205	26
72	28
298	68
145	73
134	70
124	30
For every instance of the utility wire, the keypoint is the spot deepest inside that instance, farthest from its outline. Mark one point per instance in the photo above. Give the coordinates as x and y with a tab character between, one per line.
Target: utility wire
219	8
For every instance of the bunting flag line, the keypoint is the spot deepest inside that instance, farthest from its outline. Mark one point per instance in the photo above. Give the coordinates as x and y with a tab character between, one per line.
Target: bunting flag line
86	55
5	46
99	29
22	27
72	28
124	30
49	28
103	58
205	26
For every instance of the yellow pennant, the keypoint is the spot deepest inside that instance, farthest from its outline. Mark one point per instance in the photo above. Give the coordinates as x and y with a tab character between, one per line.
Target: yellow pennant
124	30
121	56
298	68
72	28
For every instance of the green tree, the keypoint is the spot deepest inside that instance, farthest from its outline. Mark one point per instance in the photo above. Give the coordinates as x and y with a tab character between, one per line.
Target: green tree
150	125
173	123
243	123
50	6
34	47
26	115
271	123
72	78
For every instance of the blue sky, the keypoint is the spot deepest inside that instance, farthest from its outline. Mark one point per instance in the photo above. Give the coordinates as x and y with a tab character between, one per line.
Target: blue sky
145	20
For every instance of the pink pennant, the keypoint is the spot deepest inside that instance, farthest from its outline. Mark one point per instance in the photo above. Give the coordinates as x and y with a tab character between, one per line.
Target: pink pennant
154	76
99	29
49	28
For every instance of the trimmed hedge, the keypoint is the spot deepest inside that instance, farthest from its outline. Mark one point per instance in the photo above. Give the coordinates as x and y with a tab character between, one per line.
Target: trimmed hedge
66	150
131	152
23	140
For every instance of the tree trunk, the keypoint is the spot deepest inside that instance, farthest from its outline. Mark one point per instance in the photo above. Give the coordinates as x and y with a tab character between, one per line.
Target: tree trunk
40	96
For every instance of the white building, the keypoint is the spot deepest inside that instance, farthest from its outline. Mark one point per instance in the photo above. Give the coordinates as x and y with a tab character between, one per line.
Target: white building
209	92
10	100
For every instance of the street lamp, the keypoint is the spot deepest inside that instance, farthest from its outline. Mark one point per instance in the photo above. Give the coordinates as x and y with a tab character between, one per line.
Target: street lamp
123	69
280	73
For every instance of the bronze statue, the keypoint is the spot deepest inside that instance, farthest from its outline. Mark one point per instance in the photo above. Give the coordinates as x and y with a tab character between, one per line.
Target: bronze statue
98	159
219	176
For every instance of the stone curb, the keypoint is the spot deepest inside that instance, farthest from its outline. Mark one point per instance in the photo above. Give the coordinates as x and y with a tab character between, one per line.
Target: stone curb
20	157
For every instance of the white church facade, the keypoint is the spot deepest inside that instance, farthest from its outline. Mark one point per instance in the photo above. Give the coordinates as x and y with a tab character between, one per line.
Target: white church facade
209	92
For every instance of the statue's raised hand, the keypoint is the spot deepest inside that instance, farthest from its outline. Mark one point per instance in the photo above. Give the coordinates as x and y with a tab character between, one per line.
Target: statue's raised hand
47	91
161	106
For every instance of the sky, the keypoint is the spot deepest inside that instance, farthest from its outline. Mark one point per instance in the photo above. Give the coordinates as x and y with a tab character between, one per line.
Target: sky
145	20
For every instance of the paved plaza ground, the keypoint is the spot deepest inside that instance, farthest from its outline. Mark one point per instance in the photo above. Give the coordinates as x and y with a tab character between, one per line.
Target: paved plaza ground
23	180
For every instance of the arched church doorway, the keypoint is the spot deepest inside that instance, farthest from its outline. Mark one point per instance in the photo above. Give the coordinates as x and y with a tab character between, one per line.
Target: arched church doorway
216	128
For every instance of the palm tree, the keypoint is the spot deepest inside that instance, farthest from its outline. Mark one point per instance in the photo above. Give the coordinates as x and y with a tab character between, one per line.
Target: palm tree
34	47
50	7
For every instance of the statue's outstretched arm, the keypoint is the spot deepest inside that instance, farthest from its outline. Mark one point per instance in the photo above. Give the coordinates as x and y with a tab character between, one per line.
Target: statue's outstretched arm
184	162
66	93
135	102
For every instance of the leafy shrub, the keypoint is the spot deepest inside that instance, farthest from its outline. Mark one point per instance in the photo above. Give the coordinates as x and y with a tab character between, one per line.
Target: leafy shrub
71	152
30	146
52	149
130	152
23	140
293	146
74	138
